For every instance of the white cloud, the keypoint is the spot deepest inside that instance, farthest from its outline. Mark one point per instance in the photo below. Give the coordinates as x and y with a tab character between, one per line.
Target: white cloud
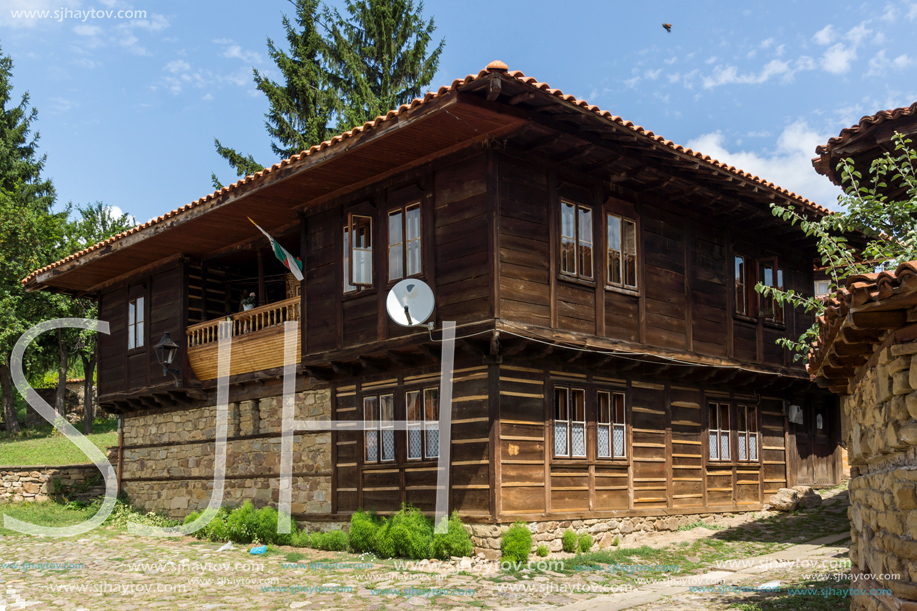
837	59
236	52
825	36
727	75
88	30
207	97
912	12
788	165
653	74
857	34
890	13
766	43
880	65
176	66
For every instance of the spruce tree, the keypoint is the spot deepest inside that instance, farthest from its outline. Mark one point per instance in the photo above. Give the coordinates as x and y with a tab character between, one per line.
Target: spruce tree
29	232
20	165
378	57
301	105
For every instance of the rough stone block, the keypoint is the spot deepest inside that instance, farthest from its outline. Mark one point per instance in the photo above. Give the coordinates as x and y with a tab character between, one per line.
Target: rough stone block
786	499
901	383
905	497
908	434
901	363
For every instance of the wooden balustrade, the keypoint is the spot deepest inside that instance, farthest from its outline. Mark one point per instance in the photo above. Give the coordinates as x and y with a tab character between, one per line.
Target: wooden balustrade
250	321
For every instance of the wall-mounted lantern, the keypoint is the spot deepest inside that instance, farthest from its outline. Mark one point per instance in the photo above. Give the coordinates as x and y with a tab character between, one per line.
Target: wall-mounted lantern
166	350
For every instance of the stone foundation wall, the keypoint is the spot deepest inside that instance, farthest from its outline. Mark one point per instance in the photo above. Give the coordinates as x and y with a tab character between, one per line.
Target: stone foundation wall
37	483
604	531
169	457
882	444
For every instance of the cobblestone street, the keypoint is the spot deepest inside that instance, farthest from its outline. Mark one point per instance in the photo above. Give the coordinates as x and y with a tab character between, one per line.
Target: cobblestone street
110	570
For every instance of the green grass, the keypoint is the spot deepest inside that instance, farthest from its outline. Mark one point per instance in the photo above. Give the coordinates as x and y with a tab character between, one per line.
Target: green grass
826	596
45	446
45	514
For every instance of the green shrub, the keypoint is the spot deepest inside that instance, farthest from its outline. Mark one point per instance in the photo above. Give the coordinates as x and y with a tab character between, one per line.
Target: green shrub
542	551
300	539
363	529
333	541
516	543
239	524
585	542
411	533
264	523
570	541
616	542
455	542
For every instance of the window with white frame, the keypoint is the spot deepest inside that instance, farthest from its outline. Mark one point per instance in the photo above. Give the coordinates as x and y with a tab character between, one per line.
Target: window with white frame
404	243
422	408
622	251
135	316
379	429
719	431
358	252
747	427
610	425
570	422
575	240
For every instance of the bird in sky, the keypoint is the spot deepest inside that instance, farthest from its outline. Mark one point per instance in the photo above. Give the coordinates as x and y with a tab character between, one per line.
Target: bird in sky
668	27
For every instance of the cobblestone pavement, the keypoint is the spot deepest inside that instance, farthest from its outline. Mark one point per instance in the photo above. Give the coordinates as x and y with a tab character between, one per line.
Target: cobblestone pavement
114	571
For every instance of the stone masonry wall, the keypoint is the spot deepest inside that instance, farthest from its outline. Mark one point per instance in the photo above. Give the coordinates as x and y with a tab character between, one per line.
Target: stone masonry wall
37	483
169	457
486	537
881	417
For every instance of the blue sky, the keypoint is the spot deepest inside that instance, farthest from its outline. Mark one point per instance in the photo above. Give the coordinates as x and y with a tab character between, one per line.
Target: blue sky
129	108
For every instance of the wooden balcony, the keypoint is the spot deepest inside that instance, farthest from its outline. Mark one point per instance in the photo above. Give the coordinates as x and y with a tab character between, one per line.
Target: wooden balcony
257	340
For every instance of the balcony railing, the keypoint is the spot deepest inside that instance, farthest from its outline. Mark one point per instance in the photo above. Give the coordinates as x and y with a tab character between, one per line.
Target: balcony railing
257	339
250	321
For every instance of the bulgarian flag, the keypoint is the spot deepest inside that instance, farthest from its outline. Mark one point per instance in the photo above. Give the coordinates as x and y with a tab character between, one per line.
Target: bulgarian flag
283	255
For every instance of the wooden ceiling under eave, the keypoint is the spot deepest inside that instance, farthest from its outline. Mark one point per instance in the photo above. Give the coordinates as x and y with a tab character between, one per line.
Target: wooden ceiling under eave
273	200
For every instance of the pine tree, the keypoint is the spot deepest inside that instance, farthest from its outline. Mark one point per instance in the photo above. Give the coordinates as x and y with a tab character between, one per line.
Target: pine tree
20	166
378	57
301	106
29	233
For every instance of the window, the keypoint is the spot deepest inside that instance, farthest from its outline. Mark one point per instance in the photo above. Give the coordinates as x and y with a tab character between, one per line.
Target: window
741	286
404	249
570	422
719	431
770	275
822	288
379	430
747	274
622	252
576	240
135	323
610	426
358	253
423	423
747	432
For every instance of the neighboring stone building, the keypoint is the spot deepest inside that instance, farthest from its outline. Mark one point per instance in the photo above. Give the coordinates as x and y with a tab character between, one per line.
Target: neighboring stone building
866	353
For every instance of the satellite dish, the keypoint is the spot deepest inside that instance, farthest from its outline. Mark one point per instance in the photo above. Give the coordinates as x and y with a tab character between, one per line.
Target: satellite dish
410	303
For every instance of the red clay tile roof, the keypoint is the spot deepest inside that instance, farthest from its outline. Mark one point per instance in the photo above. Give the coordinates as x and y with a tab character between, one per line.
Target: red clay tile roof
865	123
494	67
836	355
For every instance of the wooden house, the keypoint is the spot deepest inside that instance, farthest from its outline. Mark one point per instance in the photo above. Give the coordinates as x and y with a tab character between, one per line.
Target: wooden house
613	361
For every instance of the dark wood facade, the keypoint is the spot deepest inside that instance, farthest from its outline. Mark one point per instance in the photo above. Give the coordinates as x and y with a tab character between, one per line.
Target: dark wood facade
670	340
